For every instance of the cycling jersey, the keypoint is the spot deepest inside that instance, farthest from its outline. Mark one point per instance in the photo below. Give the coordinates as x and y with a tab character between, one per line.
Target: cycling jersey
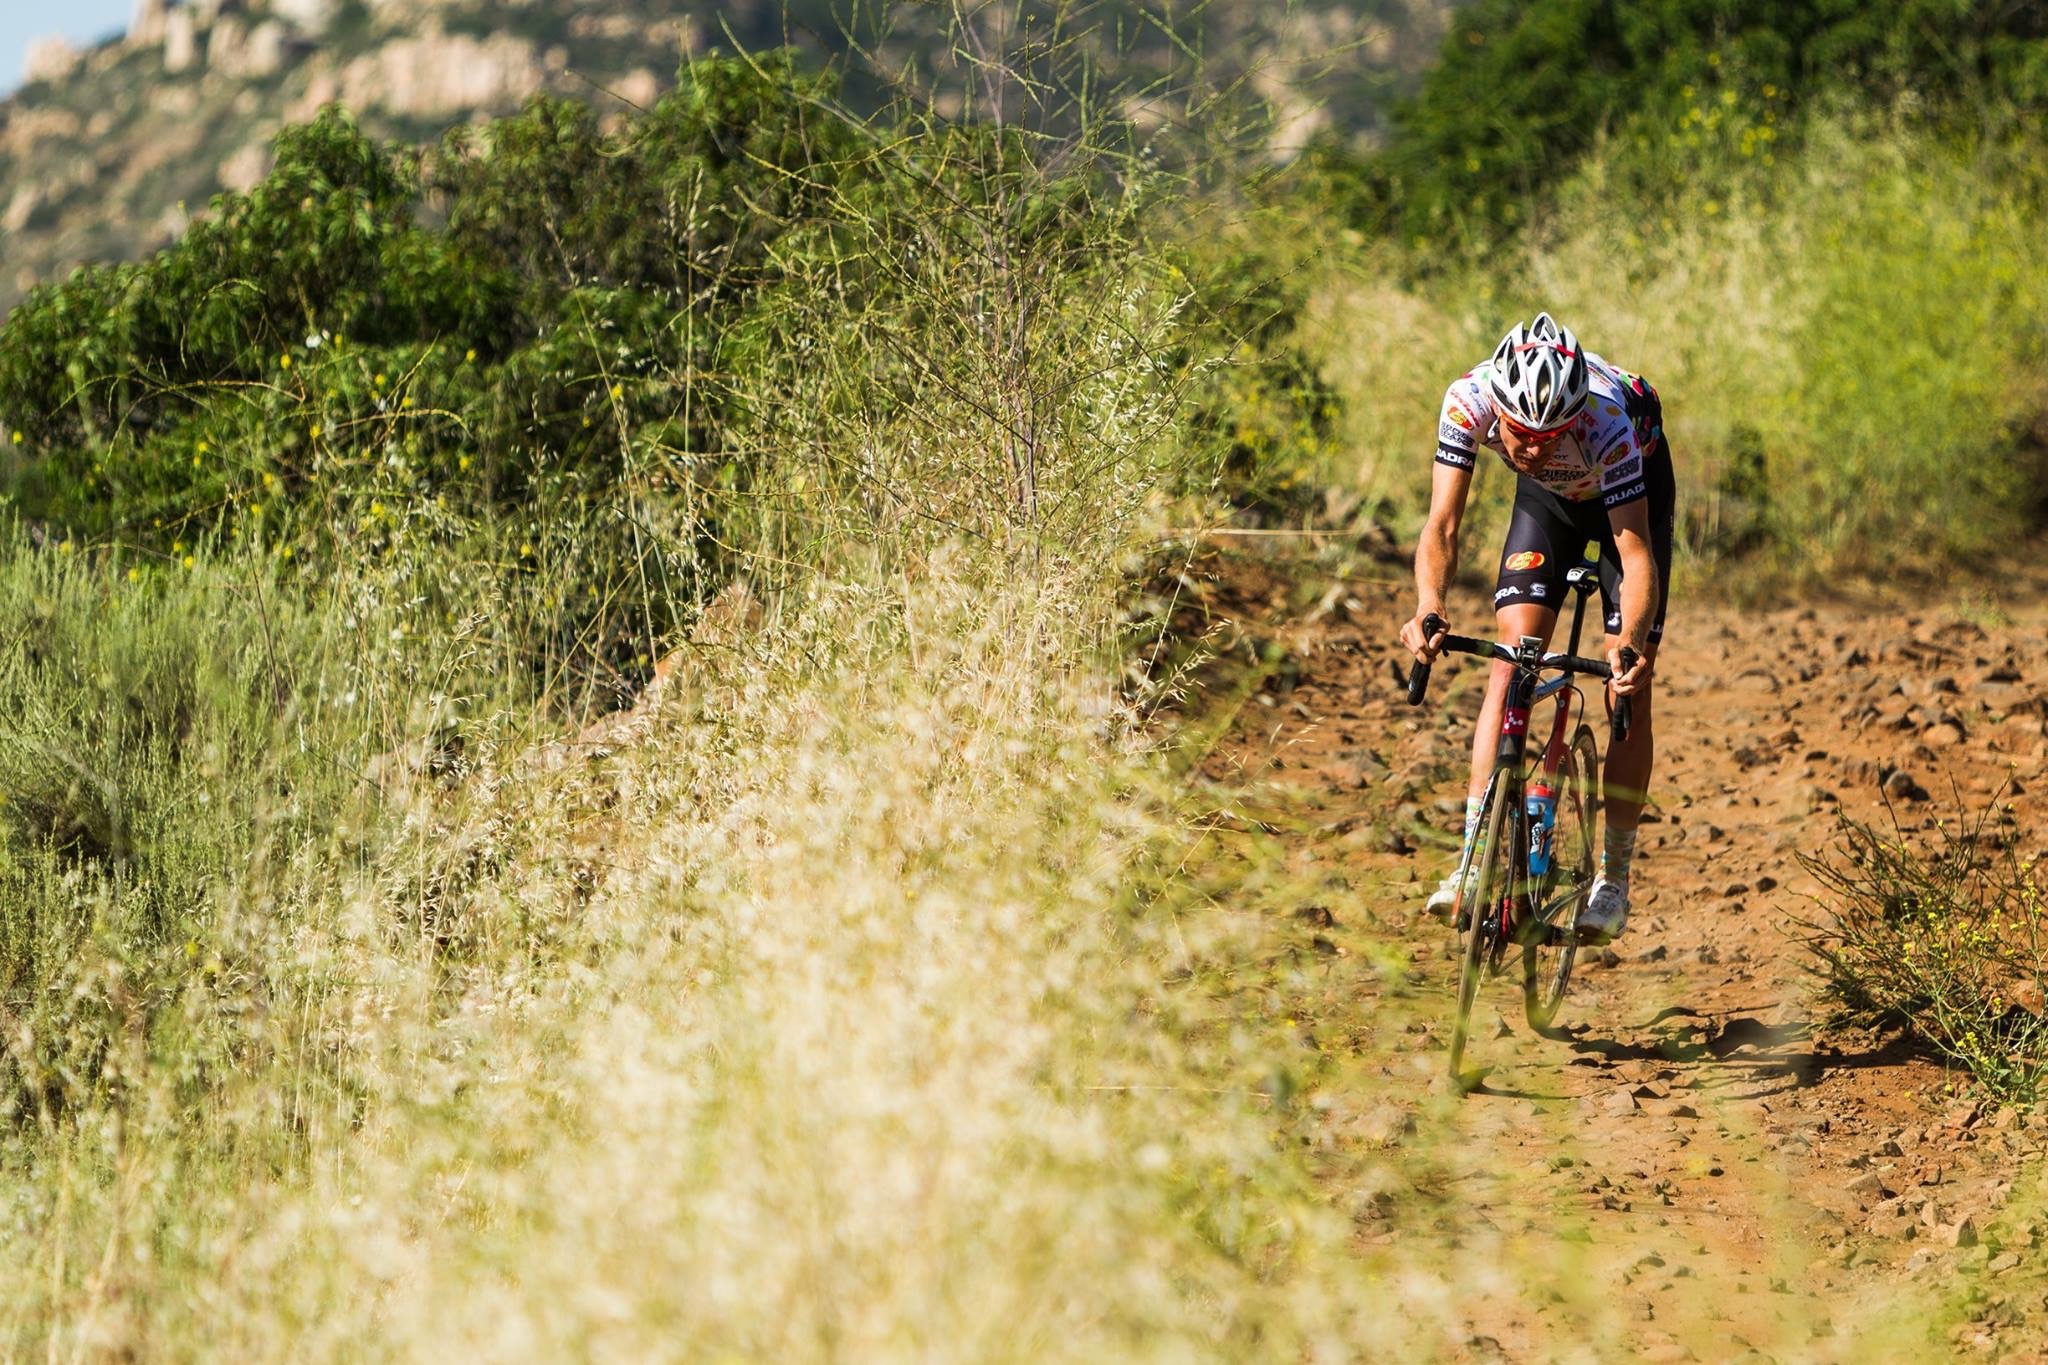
1548	534
1598	458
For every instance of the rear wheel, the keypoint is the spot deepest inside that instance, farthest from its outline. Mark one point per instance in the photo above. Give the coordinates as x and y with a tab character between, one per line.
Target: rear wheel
1494	855
1547	957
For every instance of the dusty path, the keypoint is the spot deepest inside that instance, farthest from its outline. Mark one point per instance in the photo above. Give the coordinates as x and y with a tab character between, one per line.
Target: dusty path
1708	1168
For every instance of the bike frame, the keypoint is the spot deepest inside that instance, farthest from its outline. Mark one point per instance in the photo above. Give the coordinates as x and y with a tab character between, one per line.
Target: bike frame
1525	691
1524	694
1509	913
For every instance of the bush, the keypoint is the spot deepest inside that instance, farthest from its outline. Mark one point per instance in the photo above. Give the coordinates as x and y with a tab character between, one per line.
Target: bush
174	741
1950	942
1522	92
580	357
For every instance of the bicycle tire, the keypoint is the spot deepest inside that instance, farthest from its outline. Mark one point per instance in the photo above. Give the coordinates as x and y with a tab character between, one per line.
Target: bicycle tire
1547	960
1494	855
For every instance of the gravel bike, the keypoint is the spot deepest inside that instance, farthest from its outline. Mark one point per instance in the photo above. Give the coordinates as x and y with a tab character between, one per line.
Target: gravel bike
1525	876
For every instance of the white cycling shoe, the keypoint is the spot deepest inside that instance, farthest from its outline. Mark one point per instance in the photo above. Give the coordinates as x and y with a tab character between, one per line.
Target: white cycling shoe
1440	901
1605	917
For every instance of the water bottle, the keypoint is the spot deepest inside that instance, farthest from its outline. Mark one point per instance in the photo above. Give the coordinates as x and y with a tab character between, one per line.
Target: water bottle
1541	808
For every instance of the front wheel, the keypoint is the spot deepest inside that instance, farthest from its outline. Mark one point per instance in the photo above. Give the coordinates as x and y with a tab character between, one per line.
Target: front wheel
1548	955
1496	857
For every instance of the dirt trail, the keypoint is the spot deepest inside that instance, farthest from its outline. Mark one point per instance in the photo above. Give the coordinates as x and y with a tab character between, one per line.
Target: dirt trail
1708	1168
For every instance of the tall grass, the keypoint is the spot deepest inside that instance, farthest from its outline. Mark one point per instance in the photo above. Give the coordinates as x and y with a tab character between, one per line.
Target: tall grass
821	1009
1847	345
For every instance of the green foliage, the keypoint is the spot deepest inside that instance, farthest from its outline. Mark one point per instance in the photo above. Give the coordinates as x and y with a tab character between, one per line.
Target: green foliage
1522	91
583	343
1947	940
167	734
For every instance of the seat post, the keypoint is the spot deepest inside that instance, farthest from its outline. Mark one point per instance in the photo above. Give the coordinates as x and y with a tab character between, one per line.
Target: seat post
1579	582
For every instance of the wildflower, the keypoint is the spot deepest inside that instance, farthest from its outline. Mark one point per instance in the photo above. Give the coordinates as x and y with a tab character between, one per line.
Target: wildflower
376	508
618	390
463	462
270	479
525	551
284	362
469	356
64	546
313	342
379	380
189	561
18	438
135	575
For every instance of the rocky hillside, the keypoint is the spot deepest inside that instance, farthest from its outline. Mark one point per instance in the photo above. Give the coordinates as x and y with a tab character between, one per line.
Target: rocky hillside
106	153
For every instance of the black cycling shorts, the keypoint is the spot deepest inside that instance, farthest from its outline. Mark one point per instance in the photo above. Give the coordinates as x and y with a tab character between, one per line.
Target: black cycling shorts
1548	535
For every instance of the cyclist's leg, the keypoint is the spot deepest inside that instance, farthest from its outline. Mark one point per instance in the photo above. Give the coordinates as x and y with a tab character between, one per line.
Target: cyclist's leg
1540	550
1630	762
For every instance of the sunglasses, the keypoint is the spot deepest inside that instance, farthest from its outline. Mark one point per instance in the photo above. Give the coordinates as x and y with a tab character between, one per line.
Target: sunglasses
1537	433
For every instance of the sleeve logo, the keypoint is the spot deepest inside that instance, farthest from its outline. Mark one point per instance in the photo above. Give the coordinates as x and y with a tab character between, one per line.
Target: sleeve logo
1453	435
1627	469
1454	413
1525	560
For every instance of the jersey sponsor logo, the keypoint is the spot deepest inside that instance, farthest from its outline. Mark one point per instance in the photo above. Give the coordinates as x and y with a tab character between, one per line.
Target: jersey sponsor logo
1539	591
1627	469
1456	459
1512	590
1628	494
1457	437
1524	560
1457	415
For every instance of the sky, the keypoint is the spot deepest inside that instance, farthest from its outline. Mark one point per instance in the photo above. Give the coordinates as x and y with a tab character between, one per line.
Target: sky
80	20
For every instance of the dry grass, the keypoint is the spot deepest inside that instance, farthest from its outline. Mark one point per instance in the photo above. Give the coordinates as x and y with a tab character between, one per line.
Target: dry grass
1842	325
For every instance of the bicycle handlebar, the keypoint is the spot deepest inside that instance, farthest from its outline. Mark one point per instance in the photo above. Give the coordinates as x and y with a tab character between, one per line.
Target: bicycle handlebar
1418	674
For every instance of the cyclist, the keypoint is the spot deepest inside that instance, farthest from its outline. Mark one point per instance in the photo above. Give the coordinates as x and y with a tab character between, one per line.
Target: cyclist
1586	441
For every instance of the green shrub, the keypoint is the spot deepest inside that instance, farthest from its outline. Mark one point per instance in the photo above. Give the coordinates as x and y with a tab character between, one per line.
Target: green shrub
1949	941
602	365
168	735
1522	92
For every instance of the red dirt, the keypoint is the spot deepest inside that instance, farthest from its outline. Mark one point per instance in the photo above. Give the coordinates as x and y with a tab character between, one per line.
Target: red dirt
1711	1164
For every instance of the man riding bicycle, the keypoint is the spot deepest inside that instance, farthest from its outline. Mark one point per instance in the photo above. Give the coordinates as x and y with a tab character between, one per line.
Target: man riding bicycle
1586	441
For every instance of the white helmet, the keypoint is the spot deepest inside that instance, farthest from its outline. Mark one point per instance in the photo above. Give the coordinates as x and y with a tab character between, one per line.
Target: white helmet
1539	374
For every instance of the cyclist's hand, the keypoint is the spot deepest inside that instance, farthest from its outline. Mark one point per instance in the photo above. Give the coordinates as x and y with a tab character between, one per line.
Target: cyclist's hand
1423	646
1635	680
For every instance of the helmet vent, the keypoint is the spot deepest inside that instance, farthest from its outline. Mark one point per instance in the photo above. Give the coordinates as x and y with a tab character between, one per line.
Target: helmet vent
1539	373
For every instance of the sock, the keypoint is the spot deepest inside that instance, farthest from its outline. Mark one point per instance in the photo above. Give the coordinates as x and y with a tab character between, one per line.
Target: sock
1618	849
1472	805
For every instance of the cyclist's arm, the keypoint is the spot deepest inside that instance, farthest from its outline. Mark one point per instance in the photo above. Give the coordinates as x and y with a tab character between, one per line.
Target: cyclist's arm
1436	553
1640	588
